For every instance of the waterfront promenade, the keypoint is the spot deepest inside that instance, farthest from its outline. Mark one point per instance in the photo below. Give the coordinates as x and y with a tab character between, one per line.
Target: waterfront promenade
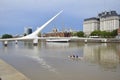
7	72
71	39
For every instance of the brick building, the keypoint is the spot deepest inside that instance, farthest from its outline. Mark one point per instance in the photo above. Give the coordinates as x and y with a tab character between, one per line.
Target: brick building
58	34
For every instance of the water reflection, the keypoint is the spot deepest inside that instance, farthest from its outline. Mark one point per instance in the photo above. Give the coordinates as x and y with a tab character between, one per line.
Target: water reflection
28	44
44	64
57	45
50	61
106	55
37	57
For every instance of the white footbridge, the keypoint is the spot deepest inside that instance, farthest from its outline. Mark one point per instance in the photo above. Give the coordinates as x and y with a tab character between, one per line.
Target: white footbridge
35	38
34	35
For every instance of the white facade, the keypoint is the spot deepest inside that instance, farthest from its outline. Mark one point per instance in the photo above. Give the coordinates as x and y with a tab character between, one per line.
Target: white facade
90	26
109	23
106	21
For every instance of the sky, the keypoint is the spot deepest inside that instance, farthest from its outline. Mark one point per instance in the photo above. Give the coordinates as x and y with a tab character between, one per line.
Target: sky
15	15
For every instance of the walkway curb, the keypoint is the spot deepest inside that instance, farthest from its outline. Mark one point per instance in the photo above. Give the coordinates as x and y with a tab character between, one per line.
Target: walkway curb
7	72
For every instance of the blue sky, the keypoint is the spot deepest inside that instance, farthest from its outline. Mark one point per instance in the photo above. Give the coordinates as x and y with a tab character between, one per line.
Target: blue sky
17	14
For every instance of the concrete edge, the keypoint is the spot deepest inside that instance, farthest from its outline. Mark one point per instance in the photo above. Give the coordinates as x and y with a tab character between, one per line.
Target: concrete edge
7	72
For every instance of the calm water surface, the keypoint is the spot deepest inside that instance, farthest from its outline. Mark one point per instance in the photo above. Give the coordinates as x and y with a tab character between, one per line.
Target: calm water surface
50	61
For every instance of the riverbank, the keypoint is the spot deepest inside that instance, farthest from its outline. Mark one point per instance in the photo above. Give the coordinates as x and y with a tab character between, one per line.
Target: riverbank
95	40
62	39
7	72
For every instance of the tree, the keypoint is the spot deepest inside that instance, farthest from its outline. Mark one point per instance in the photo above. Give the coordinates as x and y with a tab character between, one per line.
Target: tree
114	33
74	33
25	34
105	34
6	36
80	34
95	33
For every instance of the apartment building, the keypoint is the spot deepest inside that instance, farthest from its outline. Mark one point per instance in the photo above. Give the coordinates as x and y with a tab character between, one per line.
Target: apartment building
105	21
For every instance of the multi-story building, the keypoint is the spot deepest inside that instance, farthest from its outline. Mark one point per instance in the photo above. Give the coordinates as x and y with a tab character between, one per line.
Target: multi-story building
90	25
106	21
28	30
109	21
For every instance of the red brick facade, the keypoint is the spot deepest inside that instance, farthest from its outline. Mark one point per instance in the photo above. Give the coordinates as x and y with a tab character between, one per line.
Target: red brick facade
119	31
58	34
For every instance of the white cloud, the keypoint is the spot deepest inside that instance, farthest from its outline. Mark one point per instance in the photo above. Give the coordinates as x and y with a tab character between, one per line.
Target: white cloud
69	5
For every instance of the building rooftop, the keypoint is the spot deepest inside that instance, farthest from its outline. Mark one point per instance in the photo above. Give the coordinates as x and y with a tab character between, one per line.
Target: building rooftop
107	14
93	18
103	15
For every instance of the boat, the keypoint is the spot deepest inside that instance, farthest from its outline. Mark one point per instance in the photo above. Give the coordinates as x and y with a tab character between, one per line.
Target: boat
75	57
58	40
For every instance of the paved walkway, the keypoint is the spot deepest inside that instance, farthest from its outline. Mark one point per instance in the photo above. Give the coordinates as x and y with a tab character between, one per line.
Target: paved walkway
7	72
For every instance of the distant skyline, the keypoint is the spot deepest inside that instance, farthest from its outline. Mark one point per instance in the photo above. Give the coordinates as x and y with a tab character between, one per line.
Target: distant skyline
15	15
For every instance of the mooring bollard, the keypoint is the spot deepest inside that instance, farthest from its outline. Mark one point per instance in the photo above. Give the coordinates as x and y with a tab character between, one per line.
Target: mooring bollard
85	40
16	42
5	43
35	42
